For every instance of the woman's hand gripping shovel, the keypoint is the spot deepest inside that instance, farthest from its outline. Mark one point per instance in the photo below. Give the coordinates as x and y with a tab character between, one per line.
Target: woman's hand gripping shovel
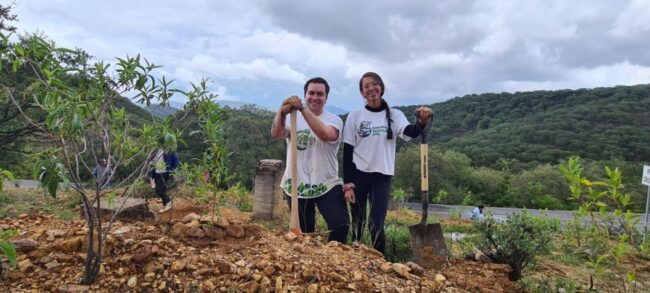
427	240
294	223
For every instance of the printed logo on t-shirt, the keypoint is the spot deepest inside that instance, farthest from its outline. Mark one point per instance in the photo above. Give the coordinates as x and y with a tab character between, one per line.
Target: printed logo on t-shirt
366	130
305	139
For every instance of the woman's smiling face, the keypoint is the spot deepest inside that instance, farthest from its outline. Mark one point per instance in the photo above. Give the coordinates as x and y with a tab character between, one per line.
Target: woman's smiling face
371	91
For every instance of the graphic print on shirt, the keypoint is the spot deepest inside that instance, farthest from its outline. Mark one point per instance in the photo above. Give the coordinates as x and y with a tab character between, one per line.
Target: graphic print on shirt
305	139
365	129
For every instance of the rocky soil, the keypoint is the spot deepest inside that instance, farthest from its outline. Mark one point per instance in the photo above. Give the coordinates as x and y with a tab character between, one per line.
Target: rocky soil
184	252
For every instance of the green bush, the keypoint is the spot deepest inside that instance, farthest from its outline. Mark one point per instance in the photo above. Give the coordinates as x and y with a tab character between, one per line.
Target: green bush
398	244
516	242
7	249
543	285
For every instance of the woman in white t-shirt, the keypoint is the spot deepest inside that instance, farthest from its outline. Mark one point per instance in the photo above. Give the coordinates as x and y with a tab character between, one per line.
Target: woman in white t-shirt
369	156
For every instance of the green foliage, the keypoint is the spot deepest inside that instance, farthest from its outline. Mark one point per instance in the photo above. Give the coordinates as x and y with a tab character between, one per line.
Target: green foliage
545	126
541	187
517	242
398	243
83	122
7	249
5	175
398	198
611	233
544	285
55	173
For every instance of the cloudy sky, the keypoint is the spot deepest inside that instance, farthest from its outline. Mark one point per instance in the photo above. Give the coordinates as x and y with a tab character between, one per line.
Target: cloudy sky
427	51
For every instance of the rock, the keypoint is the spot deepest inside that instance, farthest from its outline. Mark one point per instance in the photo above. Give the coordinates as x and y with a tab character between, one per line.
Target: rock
179	229
481	257
45	259
402	270
338	278
214	232
36	254
196	232
152	267
51	265
312	288
386	267
440	278
74	289
190	217
25	265
264	284
278	285
162	285
208	286
144	254
268	271
222	222
193	224
68	245
290	236
415	268
236	231
224	266
178	265
206	272
51	234
149	277
132	282
25	244
122	230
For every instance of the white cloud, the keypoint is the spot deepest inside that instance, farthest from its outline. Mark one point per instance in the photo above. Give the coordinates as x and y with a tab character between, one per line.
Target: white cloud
427	51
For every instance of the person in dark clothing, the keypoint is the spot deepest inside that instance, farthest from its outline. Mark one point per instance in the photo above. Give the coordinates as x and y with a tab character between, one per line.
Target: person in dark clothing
102	173
369	156
163	164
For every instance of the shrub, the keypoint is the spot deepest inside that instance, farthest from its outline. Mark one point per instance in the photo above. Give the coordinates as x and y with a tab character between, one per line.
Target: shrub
398	244
7	249
5	174
515	242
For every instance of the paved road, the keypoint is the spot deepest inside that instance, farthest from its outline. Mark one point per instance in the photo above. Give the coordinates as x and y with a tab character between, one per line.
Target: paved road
22	183
500	213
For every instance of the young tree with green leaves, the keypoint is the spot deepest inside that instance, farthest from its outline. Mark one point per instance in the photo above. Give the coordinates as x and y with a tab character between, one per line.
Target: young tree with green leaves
85	124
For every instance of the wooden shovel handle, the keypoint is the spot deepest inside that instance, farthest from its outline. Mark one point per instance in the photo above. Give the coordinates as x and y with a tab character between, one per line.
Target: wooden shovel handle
294	223
424	176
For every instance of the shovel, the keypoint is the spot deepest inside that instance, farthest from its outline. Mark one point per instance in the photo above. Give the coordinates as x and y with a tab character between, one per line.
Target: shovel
427	240
294	223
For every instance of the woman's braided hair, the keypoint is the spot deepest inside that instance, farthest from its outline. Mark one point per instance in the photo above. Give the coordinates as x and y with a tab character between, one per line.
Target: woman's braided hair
384	105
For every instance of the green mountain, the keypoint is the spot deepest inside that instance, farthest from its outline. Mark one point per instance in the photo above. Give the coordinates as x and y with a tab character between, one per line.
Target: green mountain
545	126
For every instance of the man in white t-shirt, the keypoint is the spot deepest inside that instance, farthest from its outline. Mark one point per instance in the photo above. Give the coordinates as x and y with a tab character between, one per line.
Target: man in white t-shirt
319	135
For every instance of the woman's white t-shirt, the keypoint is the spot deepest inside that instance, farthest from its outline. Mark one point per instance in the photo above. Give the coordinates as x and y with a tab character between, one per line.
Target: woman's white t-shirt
318	167
367	131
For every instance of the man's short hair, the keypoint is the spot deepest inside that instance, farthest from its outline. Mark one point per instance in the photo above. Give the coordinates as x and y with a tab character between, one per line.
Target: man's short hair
318	80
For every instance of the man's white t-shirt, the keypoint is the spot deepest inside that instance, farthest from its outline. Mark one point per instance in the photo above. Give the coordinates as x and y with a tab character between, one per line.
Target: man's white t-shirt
318	167
367	131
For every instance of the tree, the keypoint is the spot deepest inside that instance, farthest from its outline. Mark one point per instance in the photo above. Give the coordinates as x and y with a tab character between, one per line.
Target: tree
7	16
85	124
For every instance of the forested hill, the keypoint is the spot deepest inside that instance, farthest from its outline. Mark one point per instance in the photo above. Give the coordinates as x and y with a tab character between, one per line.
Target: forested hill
545	126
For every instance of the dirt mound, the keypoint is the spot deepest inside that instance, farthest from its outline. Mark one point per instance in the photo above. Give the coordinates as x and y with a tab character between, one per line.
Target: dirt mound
182	251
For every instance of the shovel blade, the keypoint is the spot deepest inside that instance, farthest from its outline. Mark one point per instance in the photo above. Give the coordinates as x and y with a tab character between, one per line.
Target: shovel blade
428	244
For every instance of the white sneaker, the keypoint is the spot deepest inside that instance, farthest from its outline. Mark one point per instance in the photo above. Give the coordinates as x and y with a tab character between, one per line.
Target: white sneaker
167	207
